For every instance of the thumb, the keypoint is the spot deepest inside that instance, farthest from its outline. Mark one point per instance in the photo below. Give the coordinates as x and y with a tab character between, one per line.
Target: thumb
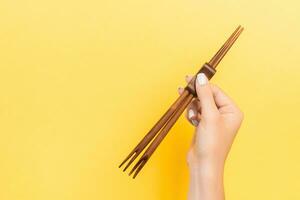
205	95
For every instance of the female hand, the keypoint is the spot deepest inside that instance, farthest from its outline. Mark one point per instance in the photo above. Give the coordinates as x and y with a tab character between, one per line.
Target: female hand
217	120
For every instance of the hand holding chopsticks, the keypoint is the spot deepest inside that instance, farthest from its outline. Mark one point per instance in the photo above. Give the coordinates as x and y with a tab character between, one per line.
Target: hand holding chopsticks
155	136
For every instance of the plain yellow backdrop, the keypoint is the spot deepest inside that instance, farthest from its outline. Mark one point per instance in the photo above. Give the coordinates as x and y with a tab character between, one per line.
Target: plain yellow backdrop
81	82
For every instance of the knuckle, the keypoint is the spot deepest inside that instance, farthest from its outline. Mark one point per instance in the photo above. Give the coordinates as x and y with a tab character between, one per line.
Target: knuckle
214	86
241	115
213	117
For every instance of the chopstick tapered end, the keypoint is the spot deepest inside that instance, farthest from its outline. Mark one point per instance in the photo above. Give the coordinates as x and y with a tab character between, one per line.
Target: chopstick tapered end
127	158
226	46
138	166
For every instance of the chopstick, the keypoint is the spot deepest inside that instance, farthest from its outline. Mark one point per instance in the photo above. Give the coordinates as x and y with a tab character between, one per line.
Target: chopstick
145	157
152	133
166	122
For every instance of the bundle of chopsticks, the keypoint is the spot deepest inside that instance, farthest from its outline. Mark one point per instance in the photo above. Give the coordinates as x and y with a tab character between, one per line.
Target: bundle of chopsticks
159	131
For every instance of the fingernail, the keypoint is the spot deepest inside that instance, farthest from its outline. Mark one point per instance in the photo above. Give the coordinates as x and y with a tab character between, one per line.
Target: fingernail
195	122
191	113
201	79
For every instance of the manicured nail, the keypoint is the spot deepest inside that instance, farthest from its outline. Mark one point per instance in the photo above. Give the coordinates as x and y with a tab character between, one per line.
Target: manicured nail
191	113
180	90
201	79
195	122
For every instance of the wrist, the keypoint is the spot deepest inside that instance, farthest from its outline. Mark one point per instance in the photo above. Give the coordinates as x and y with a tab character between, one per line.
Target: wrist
206	168
197	162
206	180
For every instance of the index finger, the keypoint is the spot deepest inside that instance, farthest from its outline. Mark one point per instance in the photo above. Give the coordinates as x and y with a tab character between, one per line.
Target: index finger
223	101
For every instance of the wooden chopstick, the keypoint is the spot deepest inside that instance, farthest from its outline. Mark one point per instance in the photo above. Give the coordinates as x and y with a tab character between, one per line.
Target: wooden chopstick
166	122
228	45
217	55
153	146
152	133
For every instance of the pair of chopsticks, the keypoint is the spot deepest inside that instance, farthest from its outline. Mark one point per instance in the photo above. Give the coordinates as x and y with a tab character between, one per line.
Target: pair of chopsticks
166	122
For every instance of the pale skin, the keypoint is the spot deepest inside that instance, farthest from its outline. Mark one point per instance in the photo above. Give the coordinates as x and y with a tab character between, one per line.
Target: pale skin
216	119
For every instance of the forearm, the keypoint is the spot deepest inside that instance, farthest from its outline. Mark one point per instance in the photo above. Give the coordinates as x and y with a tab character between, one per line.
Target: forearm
217	120
206	181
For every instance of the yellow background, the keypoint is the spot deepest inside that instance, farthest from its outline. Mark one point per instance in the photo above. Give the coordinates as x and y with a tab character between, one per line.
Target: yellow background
82	81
